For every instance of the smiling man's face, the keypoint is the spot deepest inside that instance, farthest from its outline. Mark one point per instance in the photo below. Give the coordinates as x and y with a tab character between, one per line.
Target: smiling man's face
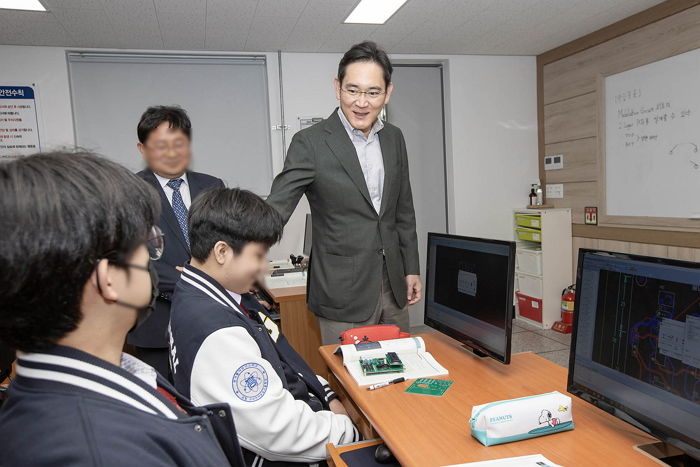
361	110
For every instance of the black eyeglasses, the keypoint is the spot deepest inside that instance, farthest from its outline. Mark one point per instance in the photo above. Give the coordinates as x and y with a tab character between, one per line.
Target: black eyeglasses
356	93
154	244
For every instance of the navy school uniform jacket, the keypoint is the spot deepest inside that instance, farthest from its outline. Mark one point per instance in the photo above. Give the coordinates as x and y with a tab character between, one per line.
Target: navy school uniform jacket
67	407
220	354
153	333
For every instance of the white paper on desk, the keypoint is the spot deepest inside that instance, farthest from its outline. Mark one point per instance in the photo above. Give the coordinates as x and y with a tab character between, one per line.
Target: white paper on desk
417	362
537	460
290	279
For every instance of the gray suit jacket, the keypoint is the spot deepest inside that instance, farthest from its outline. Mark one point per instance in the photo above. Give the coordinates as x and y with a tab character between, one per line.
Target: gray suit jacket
349	238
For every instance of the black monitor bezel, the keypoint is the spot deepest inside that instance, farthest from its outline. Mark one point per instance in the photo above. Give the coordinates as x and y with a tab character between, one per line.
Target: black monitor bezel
658	430
477	346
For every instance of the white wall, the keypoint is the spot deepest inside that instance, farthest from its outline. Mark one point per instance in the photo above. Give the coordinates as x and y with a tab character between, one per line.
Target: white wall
491	118
494	141
307	81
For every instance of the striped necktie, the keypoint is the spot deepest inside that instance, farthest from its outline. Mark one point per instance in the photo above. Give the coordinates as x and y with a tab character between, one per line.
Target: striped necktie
179	207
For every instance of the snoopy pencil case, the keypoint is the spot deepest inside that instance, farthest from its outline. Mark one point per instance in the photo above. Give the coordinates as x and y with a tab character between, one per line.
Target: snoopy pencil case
523	418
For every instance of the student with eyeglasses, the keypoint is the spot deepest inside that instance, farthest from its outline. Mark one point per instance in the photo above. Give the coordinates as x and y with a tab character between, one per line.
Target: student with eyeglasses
353	169
77	244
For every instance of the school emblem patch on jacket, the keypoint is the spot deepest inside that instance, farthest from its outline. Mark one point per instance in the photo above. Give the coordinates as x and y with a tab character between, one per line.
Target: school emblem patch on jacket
250	382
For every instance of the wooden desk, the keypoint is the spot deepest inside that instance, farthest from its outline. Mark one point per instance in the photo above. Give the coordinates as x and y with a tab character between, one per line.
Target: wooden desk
299	325
434	431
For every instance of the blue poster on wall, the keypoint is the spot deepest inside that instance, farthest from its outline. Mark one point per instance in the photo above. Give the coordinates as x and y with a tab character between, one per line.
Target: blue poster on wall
19	131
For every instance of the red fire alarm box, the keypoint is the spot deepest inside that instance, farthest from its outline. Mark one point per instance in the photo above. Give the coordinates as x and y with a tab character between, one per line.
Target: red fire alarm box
590	215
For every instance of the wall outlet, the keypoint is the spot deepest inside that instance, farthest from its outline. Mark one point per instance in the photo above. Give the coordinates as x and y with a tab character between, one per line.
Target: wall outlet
554	162
555	191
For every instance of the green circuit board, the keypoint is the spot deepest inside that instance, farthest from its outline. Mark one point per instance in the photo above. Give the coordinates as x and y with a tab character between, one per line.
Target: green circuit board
377	366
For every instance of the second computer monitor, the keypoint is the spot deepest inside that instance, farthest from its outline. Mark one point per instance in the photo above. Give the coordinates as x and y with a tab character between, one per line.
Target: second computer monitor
469	292
635	349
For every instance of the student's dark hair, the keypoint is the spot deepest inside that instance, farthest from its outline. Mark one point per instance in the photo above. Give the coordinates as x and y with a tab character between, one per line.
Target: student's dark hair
234	216
154	116
61	213
366	51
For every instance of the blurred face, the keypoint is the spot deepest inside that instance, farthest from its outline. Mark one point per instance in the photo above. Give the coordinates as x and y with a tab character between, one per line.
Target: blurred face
167	151
238	272
362	79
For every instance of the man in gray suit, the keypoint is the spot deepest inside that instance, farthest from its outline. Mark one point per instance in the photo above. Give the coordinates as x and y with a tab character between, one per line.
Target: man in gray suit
353	169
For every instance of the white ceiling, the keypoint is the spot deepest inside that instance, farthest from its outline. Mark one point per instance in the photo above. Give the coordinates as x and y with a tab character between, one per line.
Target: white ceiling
507	27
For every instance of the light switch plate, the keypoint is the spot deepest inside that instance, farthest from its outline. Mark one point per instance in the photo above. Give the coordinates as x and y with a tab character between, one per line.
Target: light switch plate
554	162
555	191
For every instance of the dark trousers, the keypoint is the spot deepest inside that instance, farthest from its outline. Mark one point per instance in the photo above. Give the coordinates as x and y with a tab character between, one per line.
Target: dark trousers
387	311
158	358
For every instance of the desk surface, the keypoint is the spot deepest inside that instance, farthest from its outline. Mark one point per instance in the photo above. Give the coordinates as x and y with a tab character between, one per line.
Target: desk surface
432	431
283	294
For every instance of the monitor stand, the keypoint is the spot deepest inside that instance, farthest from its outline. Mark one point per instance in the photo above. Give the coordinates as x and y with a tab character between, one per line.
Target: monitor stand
666	454
474	351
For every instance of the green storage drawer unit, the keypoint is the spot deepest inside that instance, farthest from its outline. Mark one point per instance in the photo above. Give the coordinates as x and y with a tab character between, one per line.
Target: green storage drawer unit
529	221
529	235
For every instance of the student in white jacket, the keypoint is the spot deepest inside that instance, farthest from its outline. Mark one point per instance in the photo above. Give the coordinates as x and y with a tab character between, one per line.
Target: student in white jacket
224	348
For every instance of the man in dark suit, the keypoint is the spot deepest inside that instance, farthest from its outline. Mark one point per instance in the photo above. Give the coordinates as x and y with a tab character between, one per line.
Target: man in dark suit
353	169
164	135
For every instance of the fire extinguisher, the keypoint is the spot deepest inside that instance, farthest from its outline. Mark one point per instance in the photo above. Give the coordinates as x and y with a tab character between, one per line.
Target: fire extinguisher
568	297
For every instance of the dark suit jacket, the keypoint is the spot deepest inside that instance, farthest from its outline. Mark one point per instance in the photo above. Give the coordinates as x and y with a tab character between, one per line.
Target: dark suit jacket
348	236
152	333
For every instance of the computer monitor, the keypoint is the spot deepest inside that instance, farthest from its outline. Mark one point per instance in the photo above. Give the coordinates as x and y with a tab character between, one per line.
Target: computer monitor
635	348
469	292
307	236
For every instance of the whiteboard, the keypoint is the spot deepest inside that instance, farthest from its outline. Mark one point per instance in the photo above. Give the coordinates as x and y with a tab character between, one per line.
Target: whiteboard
652	138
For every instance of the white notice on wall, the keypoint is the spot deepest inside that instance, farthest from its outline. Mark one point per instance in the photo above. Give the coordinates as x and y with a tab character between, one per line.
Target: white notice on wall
19	132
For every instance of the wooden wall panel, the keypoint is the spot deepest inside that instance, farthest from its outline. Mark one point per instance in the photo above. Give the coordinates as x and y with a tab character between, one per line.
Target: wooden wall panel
614	245
578	243
568	108
580	161
576	75
577	196
652	236
686	254
660	251
571	119
646	249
